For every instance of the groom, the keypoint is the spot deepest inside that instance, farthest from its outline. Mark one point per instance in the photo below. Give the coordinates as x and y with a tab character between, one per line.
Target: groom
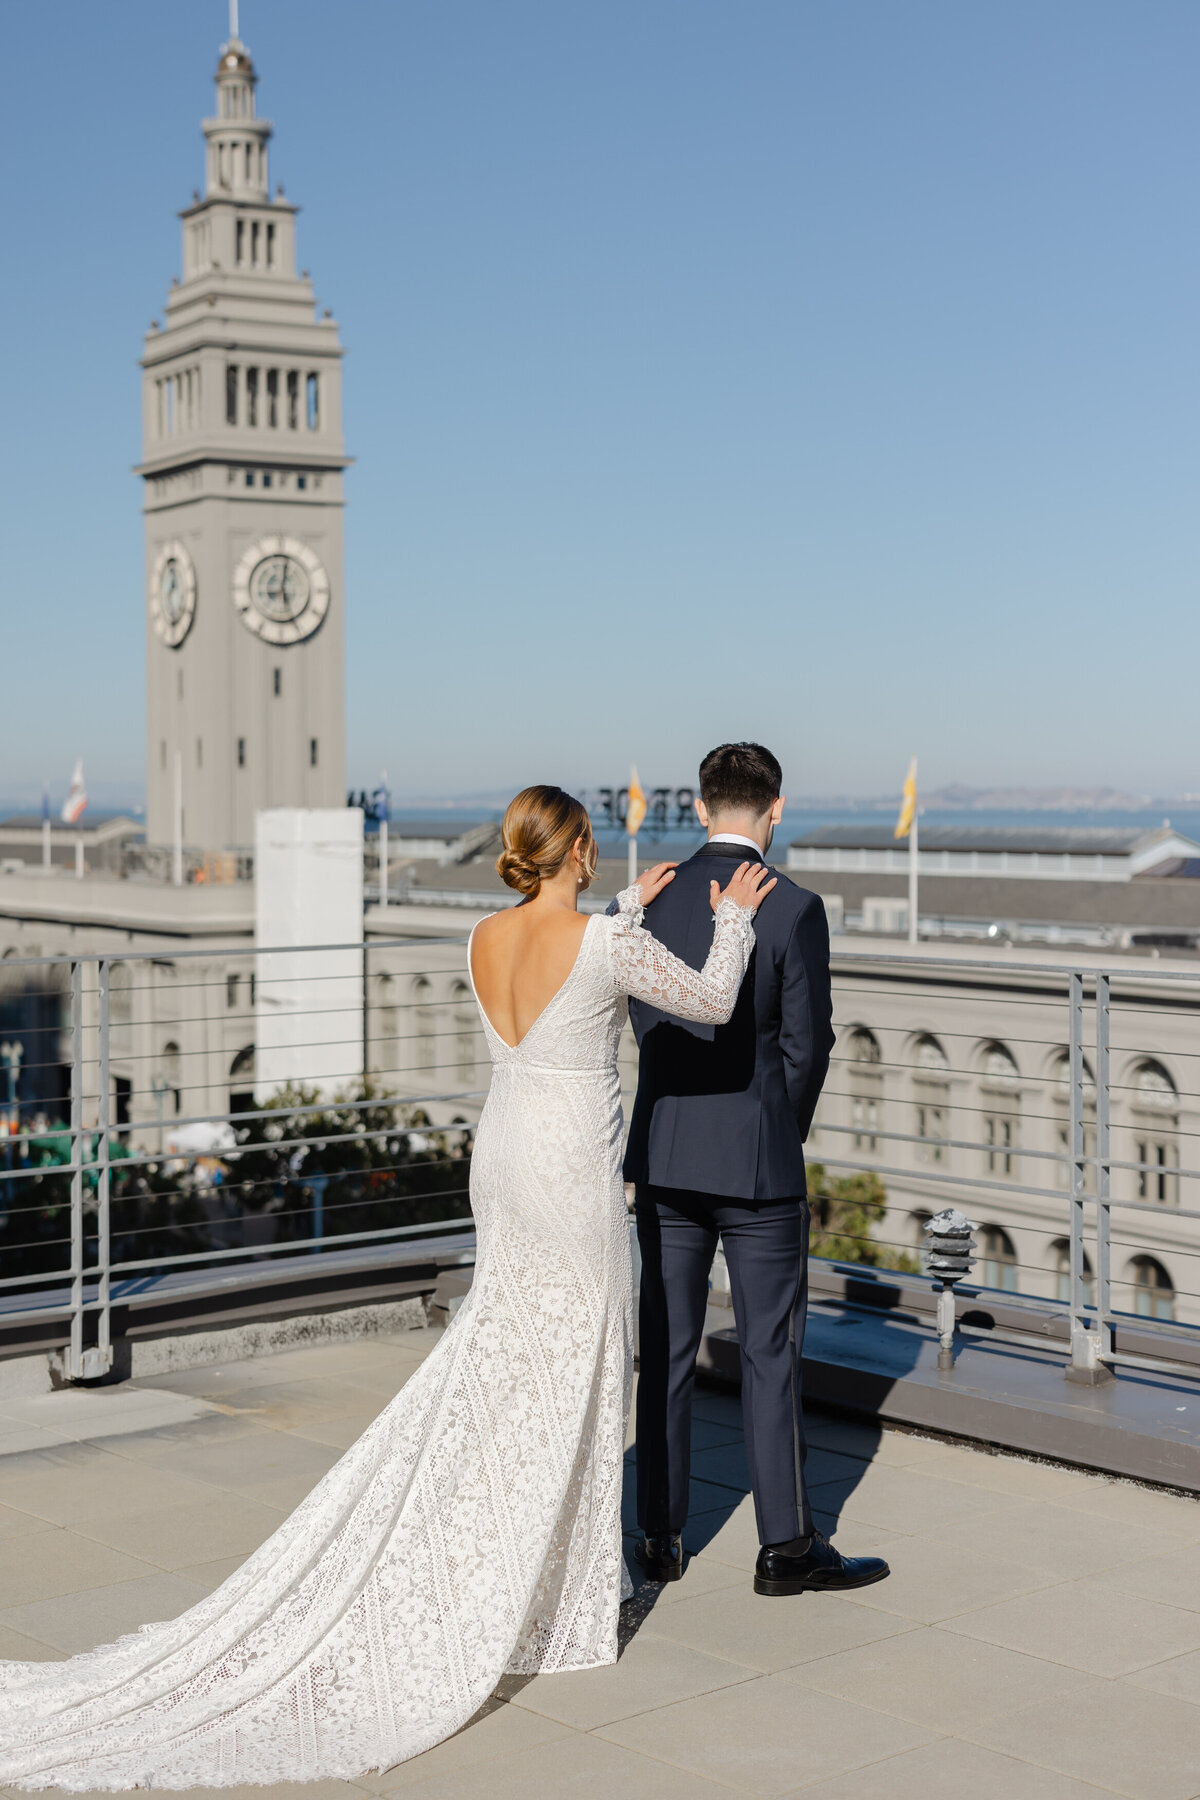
716	1153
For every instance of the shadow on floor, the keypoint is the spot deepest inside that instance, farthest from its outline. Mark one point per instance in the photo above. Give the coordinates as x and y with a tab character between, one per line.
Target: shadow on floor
840	1451
840	1448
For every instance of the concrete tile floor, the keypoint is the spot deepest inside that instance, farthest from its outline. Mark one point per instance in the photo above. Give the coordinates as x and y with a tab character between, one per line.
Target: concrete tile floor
1038	1640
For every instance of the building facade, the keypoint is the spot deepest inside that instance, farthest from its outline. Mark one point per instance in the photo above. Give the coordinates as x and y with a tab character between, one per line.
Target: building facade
1088	887
242	470
951	1081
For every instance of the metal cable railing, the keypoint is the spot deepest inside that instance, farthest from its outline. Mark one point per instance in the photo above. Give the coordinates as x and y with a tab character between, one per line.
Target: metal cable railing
127	1158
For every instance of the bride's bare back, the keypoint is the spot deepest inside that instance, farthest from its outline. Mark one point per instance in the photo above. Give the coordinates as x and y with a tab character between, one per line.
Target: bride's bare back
520	959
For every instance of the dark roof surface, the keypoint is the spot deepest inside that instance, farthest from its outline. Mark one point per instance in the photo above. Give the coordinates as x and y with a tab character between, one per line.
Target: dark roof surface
413	825
1137	905
1083	840
88	821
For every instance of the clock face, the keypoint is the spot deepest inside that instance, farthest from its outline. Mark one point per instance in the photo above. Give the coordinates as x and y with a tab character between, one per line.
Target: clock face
170	590
173	594
281	590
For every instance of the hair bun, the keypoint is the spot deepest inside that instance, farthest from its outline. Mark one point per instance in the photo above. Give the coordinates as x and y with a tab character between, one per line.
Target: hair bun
517	871
542	827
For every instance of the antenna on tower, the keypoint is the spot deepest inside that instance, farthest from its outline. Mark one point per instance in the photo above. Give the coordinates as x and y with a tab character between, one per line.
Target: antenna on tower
233	18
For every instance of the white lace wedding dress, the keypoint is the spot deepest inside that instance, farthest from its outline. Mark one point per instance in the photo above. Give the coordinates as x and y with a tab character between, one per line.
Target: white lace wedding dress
474	1529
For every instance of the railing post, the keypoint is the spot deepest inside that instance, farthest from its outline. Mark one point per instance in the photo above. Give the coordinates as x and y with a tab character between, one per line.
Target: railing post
1085	1363
75	1356
96	1360
1104	1330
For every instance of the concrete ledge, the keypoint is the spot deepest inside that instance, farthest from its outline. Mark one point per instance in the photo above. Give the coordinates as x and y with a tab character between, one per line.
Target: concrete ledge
988	1309
195	1349
1141	1425
21	1376
218	1296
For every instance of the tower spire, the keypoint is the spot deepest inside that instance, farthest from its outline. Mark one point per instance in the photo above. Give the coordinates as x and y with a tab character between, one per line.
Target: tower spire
237	137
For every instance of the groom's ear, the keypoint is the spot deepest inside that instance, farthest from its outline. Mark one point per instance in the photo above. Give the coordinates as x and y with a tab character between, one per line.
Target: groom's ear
777	809
701	812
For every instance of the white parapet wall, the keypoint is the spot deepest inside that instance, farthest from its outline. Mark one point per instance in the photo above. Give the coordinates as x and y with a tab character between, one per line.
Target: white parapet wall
308	878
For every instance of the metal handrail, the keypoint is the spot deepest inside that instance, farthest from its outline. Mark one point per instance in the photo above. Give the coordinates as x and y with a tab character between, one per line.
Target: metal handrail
92	1272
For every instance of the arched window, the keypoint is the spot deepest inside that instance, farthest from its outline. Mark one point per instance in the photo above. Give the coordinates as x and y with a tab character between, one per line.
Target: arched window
1060	1252
1156	1148
999	1064
1060	1093
1000	1126
1157	1160
464	1031
241	1081
423	1022
1154	1086
866	1088
120	1009
1060	1073
932	1100
999	1260
1153	1289
172	1072
386	1050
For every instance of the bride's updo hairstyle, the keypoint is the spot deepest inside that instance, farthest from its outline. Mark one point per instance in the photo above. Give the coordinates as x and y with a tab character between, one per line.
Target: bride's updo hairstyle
540	829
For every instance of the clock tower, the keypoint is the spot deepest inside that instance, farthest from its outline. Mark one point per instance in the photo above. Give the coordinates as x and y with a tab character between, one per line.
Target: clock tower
243	486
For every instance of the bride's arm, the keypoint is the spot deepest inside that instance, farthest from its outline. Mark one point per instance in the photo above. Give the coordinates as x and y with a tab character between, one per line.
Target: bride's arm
647	970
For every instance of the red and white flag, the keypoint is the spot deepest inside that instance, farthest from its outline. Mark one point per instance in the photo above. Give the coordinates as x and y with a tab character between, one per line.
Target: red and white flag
76	799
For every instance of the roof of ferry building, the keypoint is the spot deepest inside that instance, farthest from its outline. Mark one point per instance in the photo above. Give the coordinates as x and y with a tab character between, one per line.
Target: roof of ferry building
1079	840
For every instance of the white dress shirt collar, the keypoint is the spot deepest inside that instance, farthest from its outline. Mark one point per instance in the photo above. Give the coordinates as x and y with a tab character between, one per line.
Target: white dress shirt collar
735	837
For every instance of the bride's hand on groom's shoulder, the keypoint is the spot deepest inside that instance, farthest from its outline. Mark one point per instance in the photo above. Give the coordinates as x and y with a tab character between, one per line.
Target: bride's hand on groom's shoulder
749	887
652	882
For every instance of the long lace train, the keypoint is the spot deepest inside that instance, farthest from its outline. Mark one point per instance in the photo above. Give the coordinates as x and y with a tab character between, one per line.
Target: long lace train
474	1528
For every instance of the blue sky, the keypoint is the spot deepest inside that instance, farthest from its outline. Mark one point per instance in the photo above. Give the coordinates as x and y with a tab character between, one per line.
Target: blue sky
824	373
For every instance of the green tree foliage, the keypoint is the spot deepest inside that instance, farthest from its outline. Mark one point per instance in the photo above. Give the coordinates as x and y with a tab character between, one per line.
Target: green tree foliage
35	1204
373	1165
845	1211
308	1168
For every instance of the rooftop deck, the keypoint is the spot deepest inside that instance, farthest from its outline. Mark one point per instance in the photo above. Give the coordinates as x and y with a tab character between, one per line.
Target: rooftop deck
1039	1638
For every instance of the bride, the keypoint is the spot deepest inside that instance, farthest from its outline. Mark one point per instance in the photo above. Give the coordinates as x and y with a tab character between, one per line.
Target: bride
474	1529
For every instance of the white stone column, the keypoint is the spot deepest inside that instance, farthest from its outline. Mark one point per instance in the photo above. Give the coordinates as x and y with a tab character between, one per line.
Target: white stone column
308	879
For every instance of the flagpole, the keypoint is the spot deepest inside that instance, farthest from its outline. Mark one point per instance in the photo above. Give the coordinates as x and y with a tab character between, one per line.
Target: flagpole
635	812
383	846
912	870
46	827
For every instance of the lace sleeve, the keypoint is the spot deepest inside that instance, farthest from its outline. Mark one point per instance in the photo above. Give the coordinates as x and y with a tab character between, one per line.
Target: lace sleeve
648	971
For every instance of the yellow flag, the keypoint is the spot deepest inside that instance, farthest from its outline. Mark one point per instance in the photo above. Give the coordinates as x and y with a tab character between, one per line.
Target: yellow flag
635	811
908	803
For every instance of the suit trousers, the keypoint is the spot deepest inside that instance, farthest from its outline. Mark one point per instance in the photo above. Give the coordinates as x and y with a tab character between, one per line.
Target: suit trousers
766	1249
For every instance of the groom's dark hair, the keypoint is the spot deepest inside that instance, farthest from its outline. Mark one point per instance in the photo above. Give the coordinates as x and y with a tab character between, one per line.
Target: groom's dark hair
740	778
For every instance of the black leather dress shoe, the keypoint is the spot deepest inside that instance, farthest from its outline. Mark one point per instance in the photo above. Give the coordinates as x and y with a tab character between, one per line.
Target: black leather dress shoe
821	1567
662	1557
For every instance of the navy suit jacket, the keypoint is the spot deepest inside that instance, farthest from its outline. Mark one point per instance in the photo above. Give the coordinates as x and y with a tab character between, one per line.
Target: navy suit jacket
725	1109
